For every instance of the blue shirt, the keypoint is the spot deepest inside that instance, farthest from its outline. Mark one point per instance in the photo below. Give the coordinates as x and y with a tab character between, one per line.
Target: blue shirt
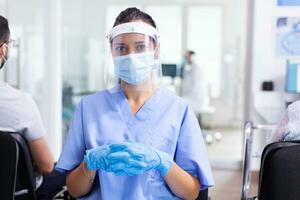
164	122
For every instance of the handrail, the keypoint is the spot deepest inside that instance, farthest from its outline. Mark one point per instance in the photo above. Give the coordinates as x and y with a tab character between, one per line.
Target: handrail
248	140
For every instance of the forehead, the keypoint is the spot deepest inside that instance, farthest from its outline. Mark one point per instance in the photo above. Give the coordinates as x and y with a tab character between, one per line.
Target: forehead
128	38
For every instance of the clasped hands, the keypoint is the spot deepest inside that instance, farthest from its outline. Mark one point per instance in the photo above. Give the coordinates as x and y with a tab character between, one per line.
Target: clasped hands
128	159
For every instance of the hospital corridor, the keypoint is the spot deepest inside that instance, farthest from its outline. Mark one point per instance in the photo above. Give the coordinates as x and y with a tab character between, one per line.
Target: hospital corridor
149	99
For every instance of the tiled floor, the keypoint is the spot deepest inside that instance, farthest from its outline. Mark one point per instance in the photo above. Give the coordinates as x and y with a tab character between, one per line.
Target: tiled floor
230	147
227	153
228	184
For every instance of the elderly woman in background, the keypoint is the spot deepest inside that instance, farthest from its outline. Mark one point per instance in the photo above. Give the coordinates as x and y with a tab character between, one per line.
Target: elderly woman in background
289	127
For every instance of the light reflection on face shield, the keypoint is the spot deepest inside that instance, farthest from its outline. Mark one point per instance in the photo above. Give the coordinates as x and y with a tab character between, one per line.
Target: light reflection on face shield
4	57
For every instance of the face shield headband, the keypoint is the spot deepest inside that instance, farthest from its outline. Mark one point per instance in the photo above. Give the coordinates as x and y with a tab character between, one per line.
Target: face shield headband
133	27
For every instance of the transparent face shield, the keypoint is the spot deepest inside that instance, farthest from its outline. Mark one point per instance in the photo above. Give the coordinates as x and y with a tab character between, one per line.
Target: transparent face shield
134	53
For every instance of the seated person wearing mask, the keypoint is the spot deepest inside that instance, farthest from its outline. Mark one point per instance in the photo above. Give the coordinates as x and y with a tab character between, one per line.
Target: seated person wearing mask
288	128
19	113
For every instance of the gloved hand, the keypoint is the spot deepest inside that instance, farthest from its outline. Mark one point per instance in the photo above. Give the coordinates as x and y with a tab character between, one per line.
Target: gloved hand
96	158
131	158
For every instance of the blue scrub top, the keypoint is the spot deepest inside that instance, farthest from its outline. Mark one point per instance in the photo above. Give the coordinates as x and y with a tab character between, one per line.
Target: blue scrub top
164	122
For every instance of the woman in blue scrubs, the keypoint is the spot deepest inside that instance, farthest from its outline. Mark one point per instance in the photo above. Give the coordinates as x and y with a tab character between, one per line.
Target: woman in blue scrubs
136	140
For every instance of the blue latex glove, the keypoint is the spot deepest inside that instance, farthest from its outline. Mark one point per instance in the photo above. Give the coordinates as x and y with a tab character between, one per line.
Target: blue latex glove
131	158
96	158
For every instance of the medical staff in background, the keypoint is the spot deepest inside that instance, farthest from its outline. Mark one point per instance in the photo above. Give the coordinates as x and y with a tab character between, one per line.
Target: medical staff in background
194	85
136	140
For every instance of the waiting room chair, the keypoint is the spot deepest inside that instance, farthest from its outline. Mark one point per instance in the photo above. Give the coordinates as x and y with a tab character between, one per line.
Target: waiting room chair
9	153
16	167
279	177
279	172
18	181
203	195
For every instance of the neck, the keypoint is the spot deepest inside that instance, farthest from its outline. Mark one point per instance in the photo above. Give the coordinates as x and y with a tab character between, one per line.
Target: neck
138	93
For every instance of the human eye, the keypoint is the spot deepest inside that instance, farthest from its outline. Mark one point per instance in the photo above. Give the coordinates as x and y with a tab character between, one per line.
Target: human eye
141	47
120	49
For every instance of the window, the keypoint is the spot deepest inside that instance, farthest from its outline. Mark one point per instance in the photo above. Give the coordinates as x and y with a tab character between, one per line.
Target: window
204	37
168	19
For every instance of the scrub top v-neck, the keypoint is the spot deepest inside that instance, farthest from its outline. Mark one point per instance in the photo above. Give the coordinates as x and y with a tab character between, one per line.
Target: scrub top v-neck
164	122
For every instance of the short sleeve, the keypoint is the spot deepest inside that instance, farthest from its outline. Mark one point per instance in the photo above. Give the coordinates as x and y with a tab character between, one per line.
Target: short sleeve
74	147
191	153
293	126
30	118
281	128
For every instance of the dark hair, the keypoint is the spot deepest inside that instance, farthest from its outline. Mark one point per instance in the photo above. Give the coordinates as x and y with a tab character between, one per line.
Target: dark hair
191	52
4	30
133	14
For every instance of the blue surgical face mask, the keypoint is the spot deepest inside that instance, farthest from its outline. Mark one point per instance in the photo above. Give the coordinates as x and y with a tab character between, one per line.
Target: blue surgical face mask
135	68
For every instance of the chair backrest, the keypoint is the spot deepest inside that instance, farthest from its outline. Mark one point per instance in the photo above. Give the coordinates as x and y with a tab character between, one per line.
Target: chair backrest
280	172
203	195
25	178
9	153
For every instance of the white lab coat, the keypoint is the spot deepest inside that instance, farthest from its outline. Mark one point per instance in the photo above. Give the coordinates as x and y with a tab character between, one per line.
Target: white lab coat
194	88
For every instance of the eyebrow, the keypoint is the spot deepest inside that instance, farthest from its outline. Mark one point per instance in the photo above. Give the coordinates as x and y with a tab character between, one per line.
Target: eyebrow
140	42
119	44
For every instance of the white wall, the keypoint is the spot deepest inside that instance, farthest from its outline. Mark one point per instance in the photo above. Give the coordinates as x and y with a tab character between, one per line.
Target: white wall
229	107
36	26
53	76
266	64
